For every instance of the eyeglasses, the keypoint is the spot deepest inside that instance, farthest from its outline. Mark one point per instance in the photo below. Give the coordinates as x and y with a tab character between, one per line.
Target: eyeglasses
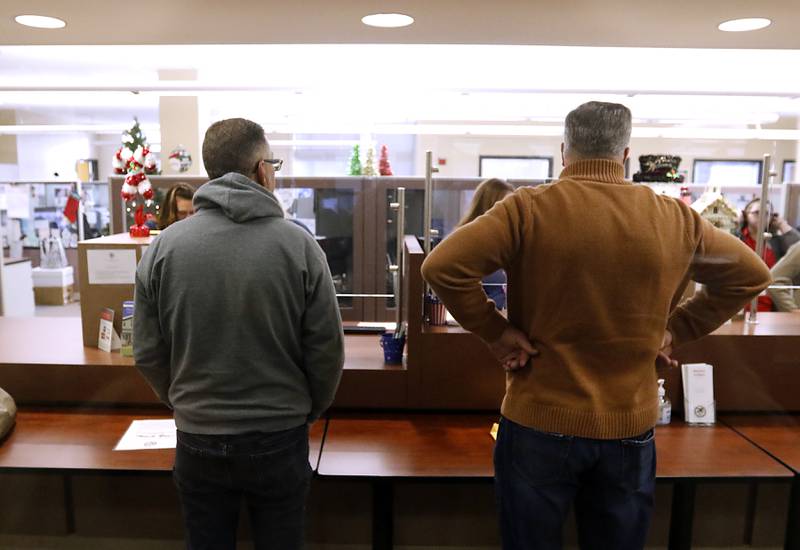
277	164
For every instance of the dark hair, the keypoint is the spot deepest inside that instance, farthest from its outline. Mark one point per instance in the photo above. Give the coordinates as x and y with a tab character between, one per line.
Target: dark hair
232	145
598	130
486	194
168	213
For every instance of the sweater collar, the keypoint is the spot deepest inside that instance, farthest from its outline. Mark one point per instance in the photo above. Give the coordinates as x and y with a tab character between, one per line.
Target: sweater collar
601	170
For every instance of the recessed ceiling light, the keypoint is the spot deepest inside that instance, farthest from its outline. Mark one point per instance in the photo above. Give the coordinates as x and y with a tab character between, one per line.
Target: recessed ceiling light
40	21
741	25
387	20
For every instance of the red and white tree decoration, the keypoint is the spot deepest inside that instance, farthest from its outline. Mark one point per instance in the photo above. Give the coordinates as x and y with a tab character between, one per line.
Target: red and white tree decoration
135	159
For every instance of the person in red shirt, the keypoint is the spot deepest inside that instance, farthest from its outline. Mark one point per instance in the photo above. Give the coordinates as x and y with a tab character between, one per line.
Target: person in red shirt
781	236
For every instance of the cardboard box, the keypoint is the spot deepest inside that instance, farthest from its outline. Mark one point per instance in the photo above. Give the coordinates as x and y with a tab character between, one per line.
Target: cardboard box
107	275
53	287
52	295
48	278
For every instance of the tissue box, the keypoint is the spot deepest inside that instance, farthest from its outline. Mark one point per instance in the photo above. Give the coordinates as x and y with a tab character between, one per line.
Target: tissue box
53	287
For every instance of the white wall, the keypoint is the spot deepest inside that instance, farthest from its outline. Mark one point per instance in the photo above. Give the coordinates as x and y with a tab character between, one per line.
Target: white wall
462	153
9	172
40	156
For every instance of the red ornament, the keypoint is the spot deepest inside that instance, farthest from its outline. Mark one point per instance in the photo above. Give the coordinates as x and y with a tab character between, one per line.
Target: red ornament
139	229
135	178
148	195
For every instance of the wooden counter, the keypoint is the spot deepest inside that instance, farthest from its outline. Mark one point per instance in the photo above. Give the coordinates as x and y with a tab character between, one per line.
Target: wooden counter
61	440
409	445
710	452
778	435
756	367
43	361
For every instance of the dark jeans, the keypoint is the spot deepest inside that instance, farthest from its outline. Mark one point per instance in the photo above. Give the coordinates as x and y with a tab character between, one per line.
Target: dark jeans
539	475
270	471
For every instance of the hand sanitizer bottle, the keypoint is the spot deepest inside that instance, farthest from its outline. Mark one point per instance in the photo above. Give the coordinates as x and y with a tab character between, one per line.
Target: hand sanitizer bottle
664	405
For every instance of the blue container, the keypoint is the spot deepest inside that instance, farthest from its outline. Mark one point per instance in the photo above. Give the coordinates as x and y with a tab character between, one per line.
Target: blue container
392	348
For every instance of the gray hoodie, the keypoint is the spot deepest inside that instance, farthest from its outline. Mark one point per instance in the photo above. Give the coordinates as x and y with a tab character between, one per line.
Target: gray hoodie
236	324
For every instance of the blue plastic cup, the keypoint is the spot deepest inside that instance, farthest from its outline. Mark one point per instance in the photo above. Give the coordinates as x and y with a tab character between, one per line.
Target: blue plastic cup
392	348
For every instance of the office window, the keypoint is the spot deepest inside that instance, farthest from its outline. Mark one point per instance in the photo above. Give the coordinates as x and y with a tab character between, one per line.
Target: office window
788	171
727	172
328	158
520	168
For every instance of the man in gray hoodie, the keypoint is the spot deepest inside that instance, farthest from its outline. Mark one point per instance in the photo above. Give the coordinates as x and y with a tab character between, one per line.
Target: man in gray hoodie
237	329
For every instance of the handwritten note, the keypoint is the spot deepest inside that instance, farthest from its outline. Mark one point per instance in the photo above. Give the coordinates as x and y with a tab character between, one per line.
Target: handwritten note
149	434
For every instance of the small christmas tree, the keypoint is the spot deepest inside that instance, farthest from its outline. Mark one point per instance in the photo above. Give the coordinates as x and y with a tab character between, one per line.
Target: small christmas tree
384	167
136	161
355	162
369	164
134	154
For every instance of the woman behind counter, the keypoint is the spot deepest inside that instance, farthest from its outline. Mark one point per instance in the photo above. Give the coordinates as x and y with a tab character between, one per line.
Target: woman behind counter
177	205
486	194
782	237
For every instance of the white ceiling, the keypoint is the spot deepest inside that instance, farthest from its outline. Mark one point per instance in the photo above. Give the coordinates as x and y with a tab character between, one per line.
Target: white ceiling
643	23
309	64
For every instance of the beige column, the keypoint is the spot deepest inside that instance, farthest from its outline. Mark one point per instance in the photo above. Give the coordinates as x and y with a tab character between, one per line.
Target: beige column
8	143
178	117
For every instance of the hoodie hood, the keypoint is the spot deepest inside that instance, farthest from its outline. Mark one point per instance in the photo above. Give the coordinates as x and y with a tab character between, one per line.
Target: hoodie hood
240	198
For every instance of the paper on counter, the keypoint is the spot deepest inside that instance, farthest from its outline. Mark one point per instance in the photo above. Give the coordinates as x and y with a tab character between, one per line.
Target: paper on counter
493	431
149	434
111	266
368	324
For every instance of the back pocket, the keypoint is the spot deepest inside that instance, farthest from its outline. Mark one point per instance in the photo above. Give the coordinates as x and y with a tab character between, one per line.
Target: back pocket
539	457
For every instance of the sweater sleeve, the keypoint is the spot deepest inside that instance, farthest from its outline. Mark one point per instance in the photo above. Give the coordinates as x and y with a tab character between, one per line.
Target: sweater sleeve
150	350
322	335
454	269
784	273
782	243
731	275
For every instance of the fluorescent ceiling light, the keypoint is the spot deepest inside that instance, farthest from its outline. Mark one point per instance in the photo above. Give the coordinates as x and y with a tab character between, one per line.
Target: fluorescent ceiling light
742	25
387	20
40	21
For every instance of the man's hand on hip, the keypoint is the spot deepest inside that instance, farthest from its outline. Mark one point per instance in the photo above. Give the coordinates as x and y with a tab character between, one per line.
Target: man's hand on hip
513	349
663	358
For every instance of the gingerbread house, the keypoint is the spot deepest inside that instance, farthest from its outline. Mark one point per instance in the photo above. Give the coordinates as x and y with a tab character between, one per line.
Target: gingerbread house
714	207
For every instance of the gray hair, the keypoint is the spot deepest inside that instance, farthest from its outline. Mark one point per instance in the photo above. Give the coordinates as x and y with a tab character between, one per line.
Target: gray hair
233	145
598	130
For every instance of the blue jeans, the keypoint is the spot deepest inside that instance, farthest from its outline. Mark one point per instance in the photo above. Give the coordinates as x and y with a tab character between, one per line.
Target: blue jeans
269	471
539	475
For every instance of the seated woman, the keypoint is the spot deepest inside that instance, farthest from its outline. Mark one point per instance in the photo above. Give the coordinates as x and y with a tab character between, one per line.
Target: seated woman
177	205
782	237
486	194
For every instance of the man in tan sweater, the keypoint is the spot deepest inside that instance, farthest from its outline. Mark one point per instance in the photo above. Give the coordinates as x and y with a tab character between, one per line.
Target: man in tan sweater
596	266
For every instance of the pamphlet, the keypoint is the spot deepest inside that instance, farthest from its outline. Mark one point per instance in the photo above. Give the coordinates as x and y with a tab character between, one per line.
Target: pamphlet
107	339
126	338
698	393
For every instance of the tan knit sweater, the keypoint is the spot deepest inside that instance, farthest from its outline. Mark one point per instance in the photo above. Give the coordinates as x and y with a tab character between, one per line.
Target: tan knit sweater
596	266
